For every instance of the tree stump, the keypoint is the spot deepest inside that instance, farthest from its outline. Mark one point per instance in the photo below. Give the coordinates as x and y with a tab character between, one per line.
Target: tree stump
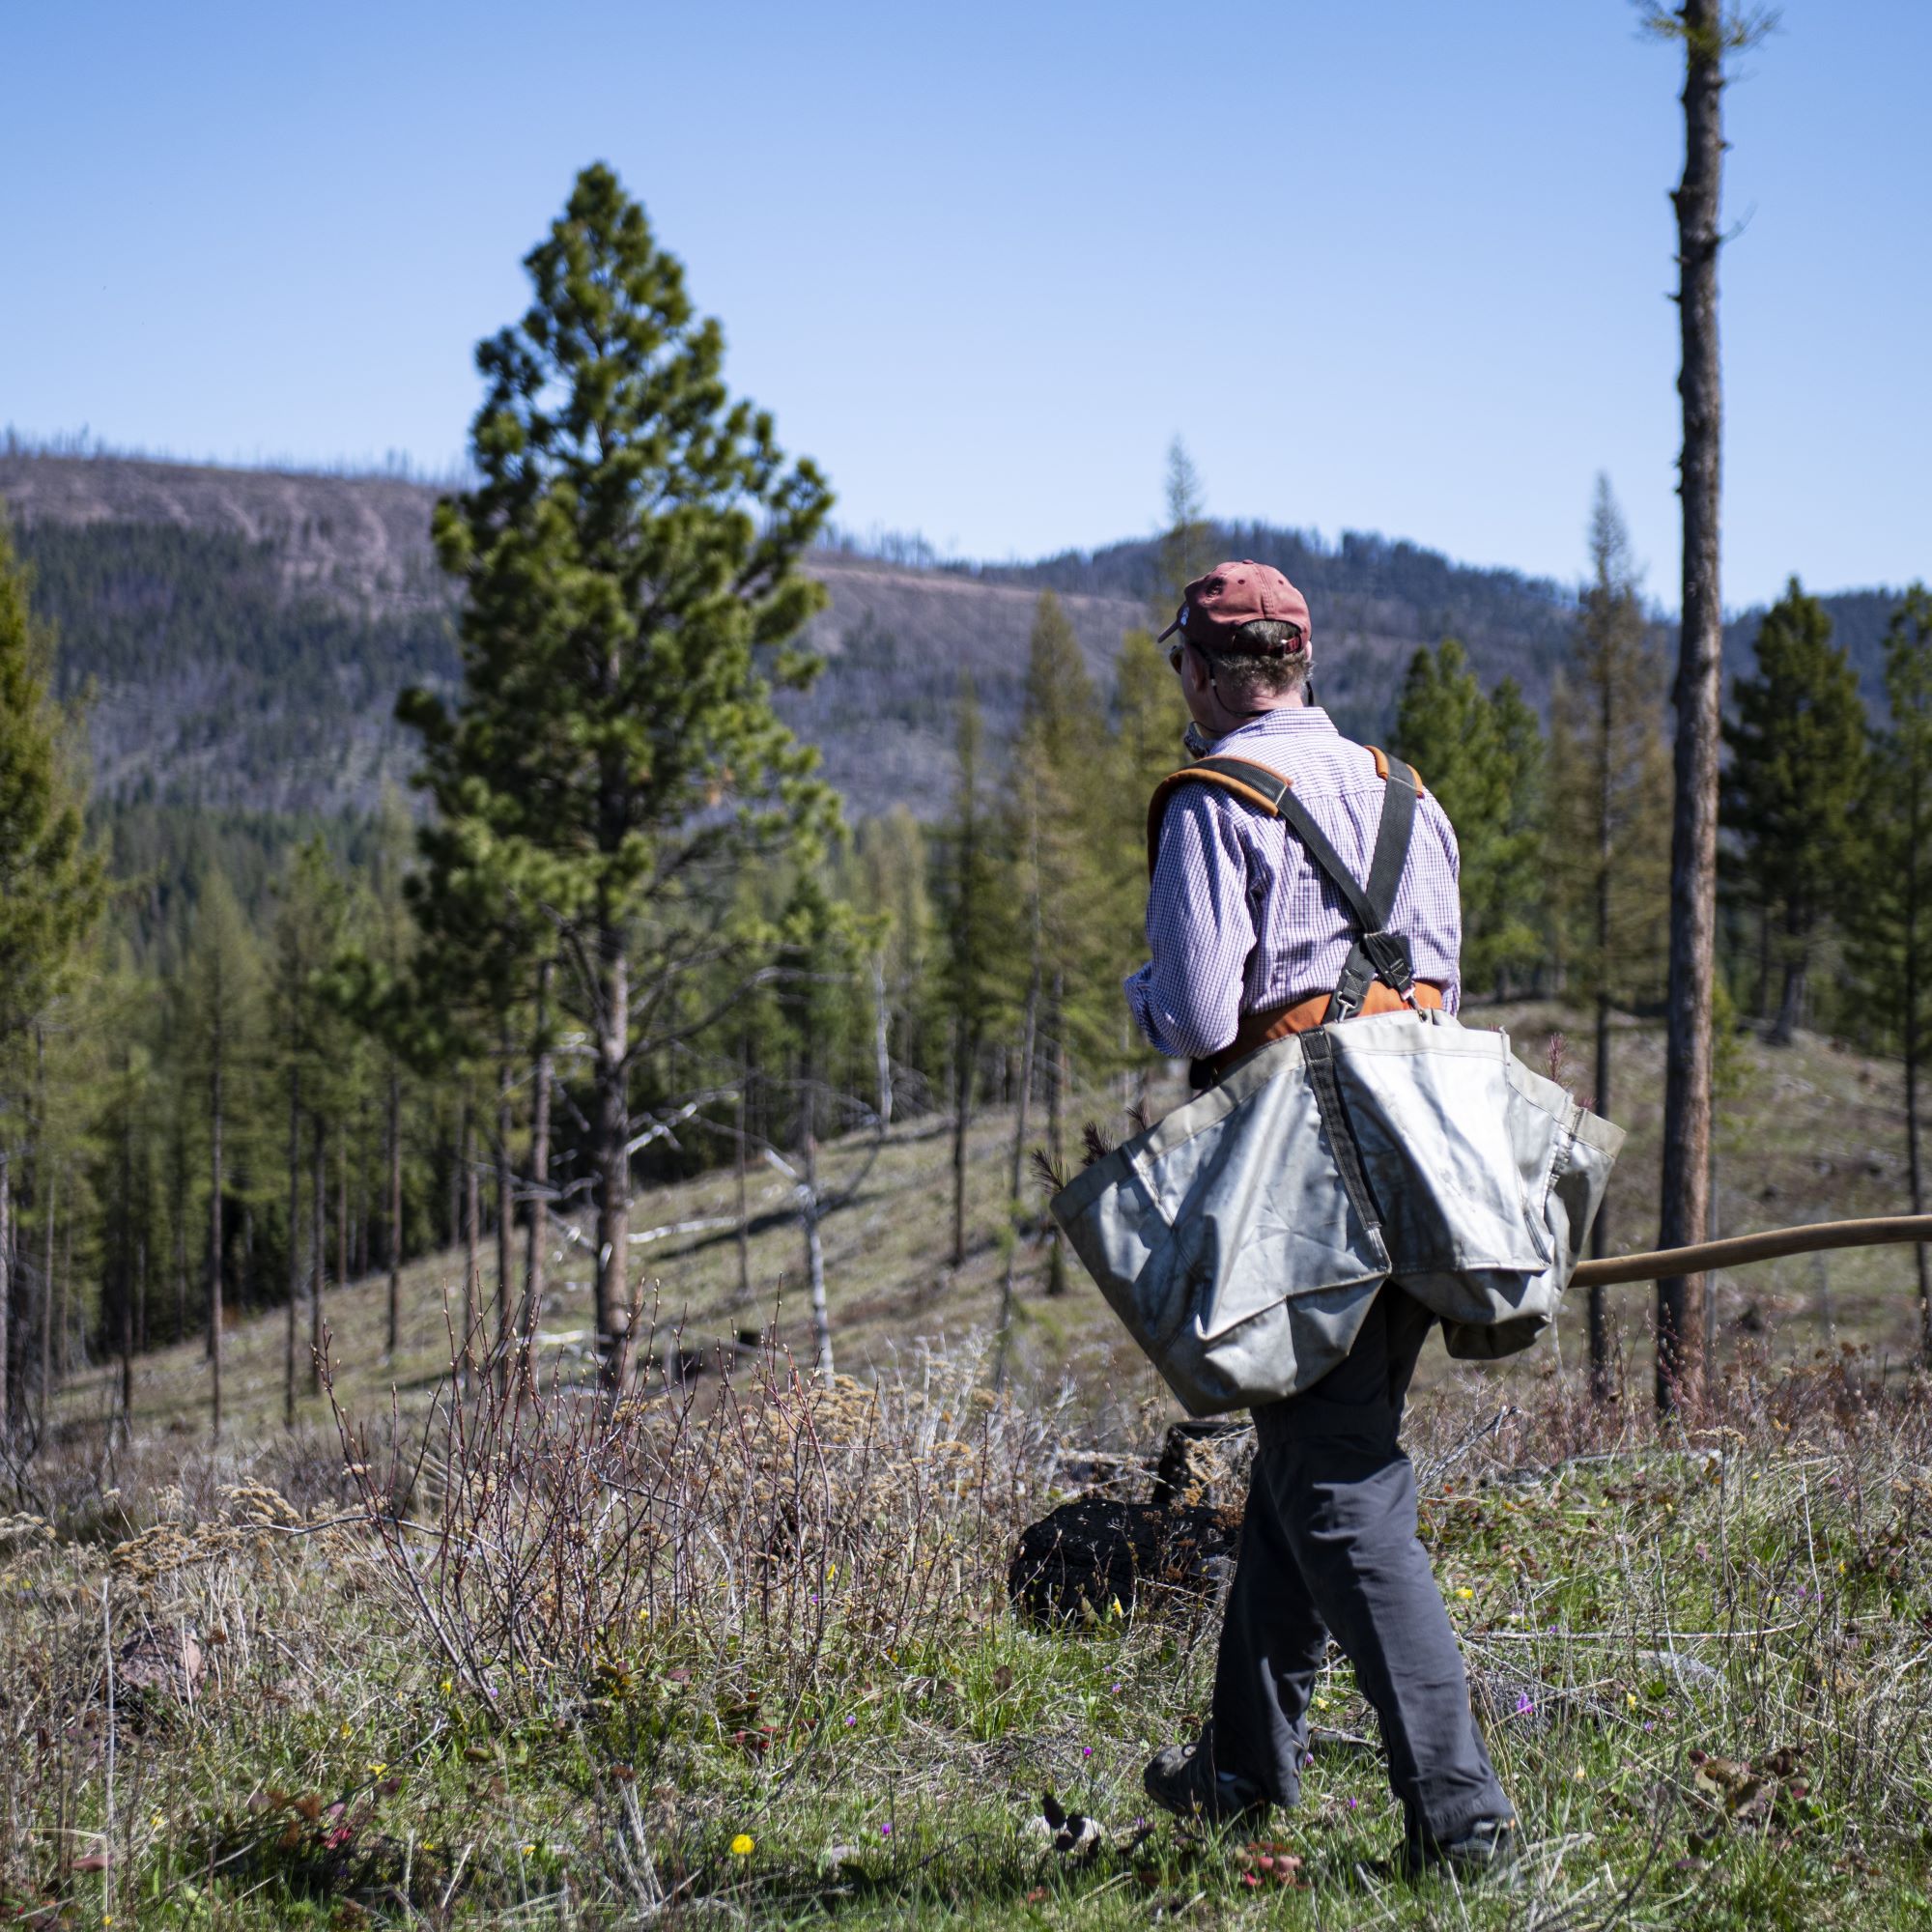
1097	1553
1093	1554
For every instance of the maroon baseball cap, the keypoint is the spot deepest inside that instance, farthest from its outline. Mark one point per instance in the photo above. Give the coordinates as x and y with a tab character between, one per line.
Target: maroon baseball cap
1232	594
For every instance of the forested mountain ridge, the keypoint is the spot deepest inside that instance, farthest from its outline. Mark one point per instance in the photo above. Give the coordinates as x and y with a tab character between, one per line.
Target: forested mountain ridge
245	632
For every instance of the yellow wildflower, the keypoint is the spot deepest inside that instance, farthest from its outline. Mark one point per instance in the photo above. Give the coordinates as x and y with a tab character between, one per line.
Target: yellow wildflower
742	1845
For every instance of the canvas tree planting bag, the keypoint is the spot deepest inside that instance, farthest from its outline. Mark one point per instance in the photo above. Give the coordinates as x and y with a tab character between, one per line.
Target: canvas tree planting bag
1242	1238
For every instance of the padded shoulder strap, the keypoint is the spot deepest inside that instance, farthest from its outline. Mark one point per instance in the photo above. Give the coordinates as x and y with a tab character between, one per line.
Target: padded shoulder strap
1383	762
1254	785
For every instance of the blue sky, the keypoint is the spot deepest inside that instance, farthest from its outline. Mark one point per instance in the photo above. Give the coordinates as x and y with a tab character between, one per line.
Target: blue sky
1400	268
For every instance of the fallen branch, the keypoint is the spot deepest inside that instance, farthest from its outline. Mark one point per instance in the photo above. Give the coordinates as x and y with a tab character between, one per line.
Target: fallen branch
708	1224
1741	1249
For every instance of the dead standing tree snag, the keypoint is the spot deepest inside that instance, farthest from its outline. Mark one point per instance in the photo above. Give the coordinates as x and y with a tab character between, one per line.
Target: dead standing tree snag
1709	31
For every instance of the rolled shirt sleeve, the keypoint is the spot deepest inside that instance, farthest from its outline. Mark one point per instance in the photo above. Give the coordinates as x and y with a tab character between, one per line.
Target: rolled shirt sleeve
1200	927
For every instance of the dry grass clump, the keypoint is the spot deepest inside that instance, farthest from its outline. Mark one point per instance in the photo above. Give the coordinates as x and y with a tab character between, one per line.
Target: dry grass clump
742	1649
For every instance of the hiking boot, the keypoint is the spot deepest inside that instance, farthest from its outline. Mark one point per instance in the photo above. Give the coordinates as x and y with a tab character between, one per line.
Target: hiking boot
1181	1780
1481	1848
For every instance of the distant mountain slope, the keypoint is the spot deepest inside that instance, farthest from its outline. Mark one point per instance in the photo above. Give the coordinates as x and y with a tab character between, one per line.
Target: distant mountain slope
246	631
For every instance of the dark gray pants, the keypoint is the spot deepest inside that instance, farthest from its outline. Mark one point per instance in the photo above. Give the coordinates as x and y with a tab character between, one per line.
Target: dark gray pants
1329	1544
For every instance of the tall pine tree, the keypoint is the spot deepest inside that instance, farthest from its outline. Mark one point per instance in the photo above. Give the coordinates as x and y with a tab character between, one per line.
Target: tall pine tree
1059	831
630	563
1186	544
972	920
1792	788
1482	758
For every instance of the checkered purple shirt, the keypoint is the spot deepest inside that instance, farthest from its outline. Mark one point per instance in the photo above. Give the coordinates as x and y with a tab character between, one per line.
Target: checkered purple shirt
1239	918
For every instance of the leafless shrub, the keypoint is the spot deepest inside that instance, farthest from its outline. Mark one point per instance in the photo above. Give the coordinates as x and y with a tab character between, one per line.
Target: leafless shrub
532	1537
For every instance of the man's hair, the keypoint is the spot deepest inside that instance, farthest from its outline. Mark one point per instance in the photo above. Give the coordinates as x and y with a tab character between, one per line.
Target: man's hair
1265	657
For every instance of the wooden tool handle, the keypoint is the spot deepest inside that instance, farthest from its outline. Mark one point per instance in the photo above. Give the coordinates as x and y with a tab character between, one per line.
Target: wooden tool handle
1663	1263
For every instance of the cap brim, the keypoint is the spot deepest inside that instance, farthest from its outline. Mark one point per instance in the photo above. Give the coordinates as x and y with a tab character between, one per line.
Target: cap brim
1169	632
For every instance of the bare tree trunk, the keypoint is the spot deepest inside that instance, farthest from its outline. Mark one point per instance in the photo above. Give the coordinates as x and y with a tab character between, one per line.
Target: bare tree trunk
1709	1363
218	1077
1791	997
319	1242
473	1245
1022	1102
1056	1124
123	1246
295	1249
539	1227
33	1309
456	1187
882	1056
1693	836
966	1052
1599	1234
179	1180
742	1125
343	1274
6	1293
814	1250
1761	1003
141	1293
395	1205
363	1163
64	1305
1913	1164
19	1307
612	1156
505	1217
46	1296
13	1391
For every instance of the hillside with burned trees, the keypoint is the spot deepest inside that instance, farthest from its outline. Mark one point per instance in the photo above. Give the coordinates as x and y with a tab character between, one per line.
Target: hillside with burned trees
244	634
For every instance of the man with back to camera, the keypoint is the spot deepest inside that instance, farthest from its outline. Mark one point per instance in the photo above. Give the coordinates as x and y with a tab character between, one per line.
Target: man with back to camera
1248	939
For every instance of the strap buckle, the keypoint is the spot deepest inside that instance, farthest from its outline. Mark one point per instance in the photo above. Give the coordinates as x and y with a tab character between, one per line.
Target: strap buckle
1380	955
1388	954
1351	989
